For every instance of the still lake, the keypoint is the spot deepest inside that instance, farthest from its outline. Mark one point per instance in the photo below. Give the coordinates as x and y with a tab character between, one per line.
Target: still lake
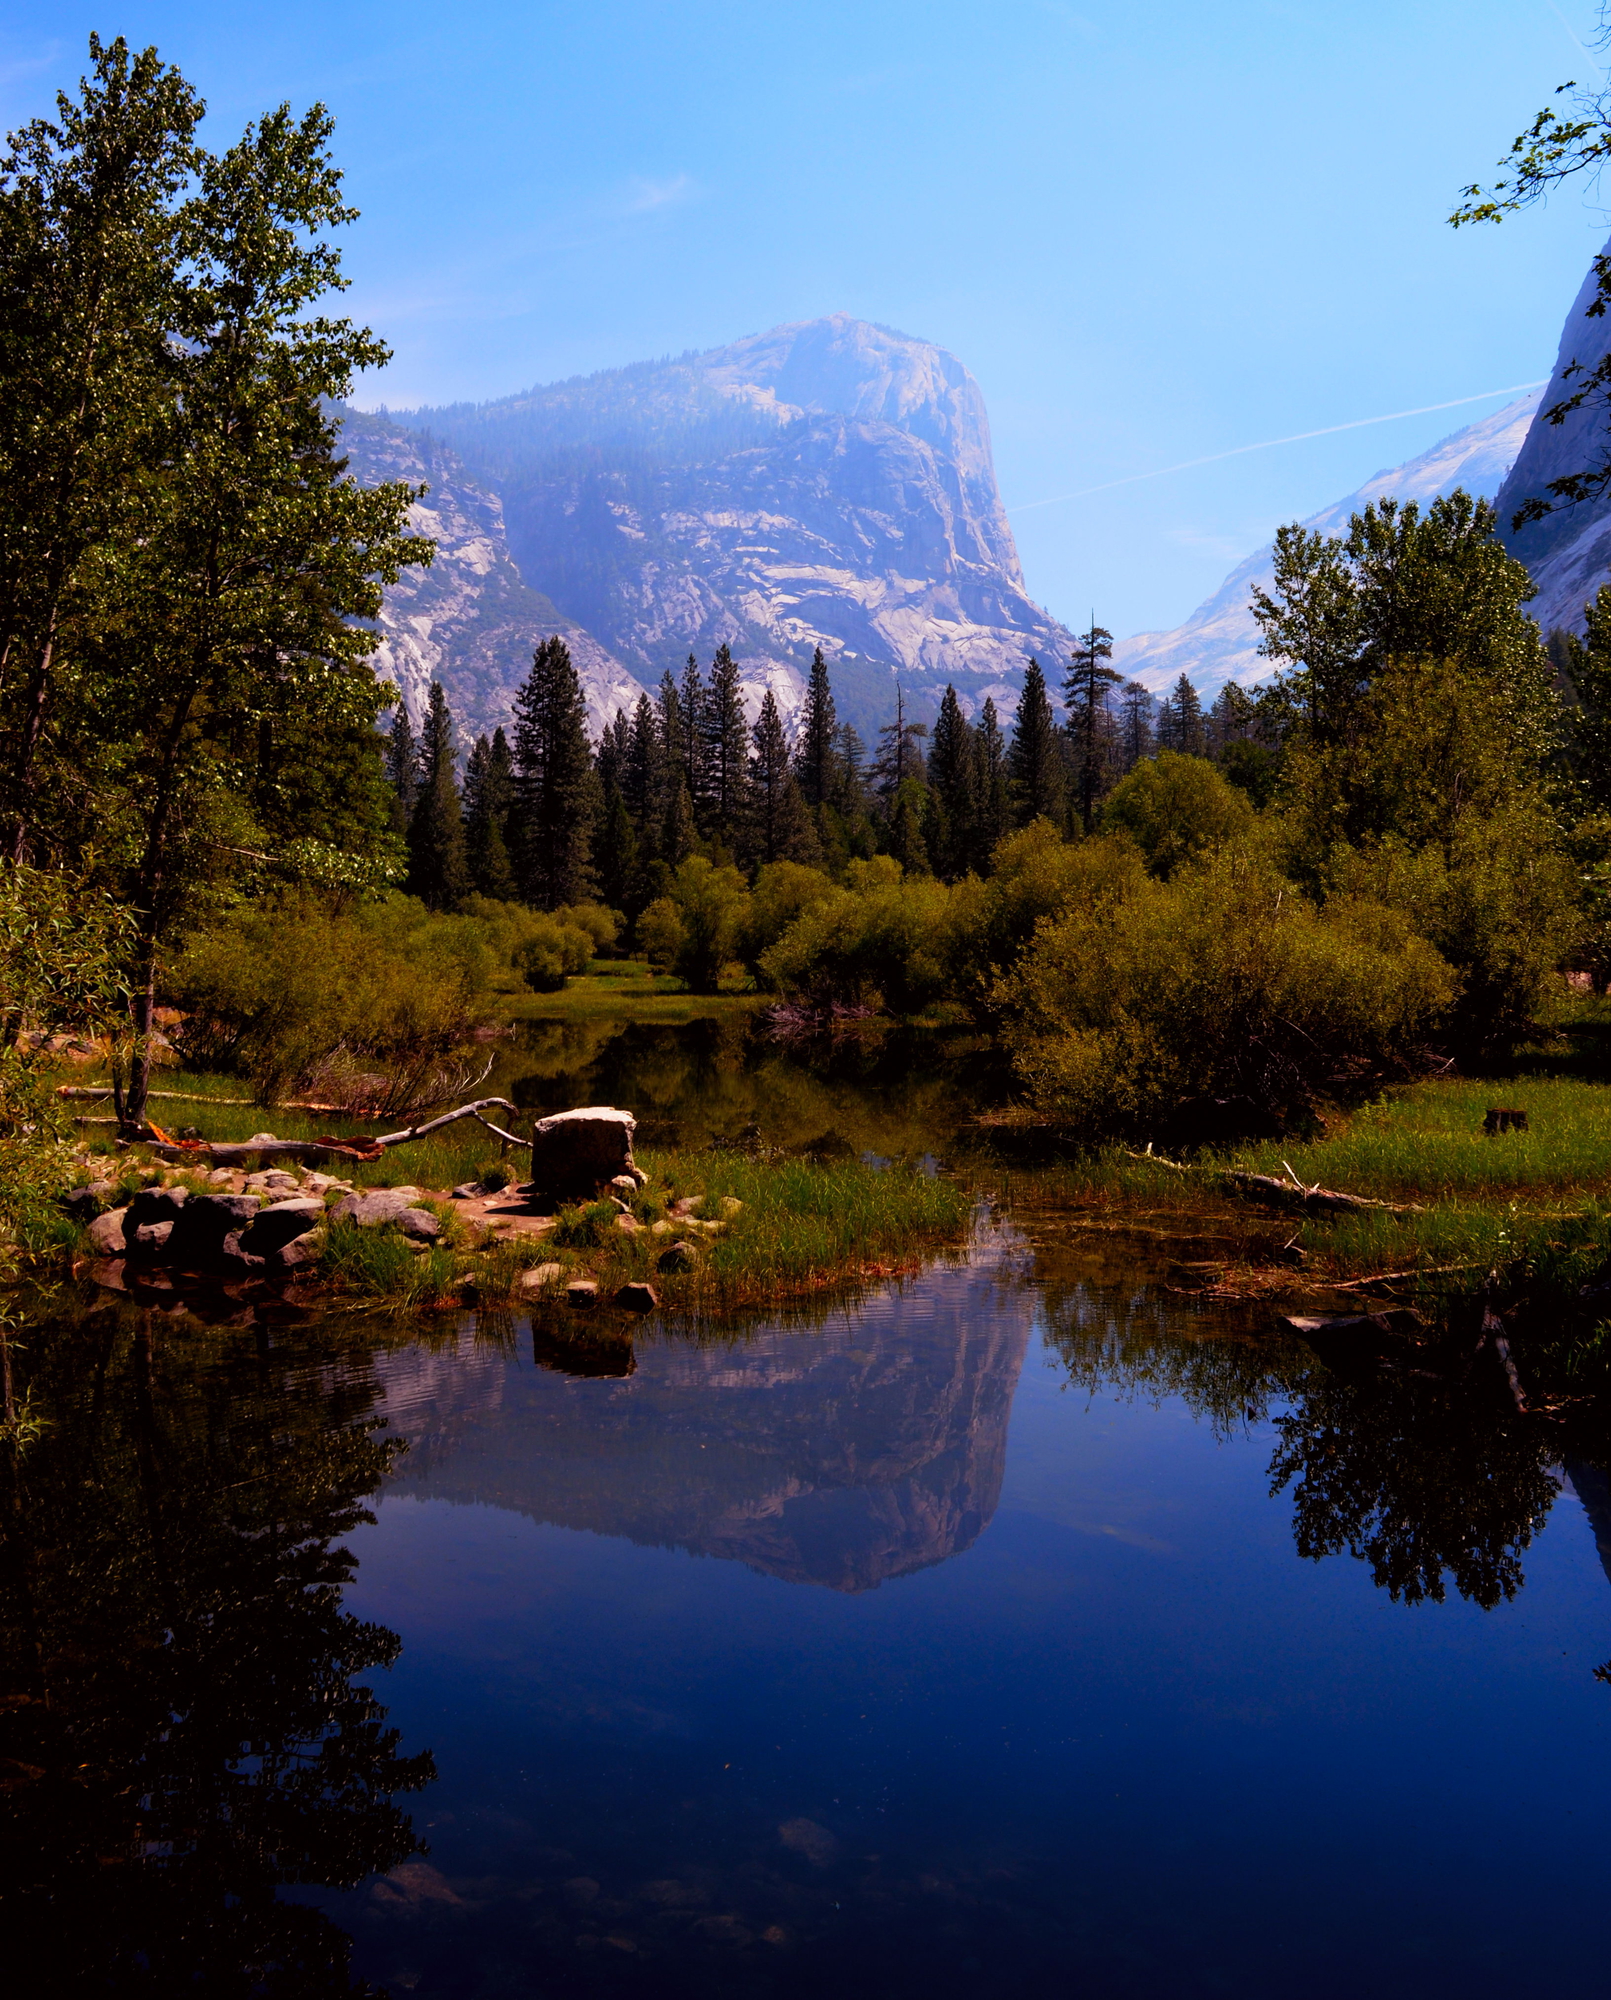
1025	1628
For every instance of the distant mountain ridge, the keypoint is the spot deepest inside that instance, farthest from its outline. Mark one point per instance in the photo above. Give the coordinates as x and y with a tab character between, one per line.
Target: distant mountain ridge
1219	642
828	483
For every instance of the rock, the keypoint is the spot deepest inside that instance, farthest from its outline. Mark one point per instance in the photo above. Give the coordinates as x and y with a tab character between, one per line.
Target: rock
541	1276
204	1222
575	1153
680	1257
625	1186
628	1224
234	1258
83	1204
105	1233
224	1177
730	1206
271	1180
468	1191
272	1228
108	1272
296	1255
374	1206
637	1298
581	1292
418	1224
662	1228
153	1205
147	1239
685	1205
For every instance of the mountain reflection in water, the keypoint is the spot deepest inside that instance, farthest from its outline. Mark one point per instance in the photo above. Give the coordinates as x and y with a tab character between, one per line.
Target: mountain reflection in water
869	1448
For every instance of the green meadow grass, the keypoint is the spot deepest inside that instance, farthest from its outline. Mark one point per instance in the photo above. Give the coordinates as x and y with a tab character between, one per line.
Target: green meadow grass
624	989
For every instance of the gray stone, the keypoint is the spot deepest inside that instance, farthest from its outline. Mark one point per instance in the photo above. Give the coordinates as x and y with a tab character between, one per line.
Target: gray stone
204	1222
153	1205
236	1259
373	1207
272	1228
419	1224
105	1233
581	1292
147	1239
540	1277
575	1153
680	1257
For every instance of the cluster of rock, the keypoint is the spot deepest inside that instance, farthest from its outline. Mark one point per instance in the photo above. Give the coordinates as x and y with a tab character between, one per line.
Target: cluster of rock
264	1227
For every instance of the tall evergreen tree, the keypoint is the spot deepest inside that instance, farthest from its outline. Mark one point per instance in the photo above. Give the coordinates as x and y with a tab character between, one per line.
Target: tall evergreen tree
643	780
438	871
780	828
726	758
1180	721
1035	757
1231	720
694	697
621	879
556	788
900	750
993	809
1091	680
614	748
953	792
814	746
1136	739
402	769
489	796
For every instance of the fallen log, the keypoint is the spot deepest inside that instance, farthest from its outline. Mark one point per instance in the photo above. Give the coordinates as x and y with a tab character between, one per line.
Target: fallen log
1312	1201
362	1148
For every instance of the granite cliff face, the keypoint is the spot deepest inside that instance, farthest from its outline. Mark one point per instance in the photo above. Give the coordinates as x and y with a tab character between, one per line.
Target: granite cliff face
828	483
842	1456
1569	551
469	621
1219	642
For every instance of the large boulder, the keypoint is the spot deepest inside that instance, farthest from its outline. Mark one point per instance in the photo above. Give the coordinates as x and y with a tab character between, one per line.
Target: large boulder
372	1208
203	1223
271	1229
575	1153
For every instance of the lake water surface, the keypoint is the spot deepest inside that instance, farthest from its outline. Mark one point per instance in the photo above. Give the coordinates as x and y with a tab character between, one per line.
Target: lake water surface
1024	1629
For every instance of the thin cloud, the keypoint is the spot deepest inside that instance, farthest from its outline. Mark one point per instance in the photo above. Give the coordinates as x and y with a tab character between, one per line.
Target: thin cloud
643	197
1267	444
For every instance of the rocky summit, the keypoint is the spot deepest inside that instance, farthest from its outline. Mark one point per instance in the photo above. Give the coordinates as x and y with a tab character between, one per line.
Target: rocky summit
824	484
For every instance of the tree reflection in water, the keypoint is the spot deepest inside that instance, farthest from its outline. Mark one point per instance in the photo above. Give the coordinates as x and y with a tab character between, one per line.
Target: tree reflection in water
179	1724
1429	1481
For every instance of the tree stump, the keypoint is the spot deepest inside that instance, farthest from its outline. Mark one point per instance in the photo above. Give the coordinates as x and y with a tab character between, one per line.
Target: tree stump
1501	1119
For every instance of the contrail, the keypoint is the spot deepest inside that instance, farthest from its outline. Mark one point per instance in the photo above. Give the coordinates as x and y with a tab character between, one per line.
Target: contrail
1265	444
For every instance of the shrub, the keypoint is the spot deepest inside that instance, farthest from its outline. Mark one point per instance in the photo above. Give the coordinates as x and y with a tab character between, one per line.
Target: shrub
274	993
693	931
783	891
1225	983
879	941
1175	808
550	952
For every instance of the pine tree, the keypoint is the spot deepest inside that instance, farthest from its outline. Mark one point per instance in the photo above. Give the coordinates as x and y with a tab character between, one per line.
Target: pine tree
615	857
1035	757
438	872
614	746
1180	720
726	758
953	792
489	795
402	770
780	828
992	811
643	779
1230	720
900	750
814	747
693	697
1135	726
556	788
1090	682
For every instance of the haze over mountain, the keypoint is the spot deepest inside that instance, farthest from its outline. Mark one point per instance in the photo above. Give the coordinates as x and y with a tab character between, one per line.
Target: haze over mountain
828	483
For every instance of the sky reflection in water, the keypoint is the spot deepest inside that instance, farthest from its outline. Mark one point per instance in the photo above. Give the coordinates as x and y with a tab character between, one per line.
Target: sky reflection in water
960	1647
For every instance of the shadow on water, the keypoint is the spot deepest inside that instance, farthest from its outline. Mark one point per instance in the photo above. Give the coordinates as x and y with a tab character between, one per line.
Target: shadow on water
183	1726
186	1728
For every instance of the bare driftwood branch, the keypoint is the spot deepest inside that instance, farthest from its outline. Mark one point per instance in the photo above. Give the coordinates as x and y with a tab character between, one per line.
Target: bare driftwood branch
1313	1200
1392	1277
361	1147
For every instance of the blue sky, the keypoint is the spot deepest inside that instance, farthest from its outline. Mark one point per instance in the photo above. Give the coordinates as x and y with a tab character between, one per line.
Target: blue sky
1153	234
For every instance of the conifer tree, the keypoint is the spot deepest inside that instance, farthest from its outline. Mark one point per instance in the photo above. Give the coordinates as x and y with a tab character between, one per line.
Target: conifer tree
1091	679
900	750
1035	756
402	769
1180	720
438	872
556	788
642	779
615	858
614	746
1230	720
953	792
726	758
814	747
693	696
992	810
1136	739
489	795
780	828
